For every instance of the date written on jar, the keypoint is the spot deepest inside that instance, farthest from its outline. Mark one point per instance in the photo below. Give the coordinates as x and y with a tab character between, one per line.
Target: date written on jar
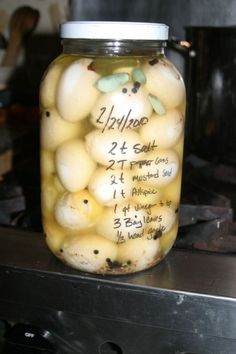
125	122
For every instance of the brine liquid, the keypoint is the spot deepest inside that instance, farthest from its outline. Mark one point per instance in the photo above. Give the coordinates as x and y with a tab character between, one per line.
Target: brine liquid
111	160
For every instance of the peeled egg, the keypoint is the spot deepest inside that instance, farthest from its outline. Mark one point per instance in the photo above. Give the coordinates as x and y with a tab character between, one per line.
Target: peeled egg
76	93
110	187
89	253
50	80
167	240
165	82
113	148
49	195
55	235
74	165
55	130
121	223
139	253
165	130
160	221
122	109
77	210
163	168
47	164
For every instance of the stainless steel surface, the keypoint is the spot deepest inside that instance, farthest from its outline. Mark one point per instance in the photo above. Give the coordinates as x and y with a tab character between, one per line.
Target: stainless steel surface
186	304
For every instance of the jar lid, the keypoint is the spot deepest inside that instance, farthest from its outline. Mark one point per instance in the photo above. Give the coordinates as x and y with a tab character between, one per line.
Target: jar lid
114	30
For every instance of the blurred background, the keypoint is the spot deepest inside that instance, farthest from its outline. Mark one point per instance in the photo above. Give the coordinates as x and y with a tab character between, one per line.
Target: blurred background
43	43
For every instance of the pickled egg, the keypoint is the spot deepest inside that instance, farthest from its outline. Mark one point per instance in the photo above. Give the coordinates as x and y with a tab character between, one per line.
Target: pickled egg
74	165
77	210
122	109
139	253
165	130
161	220
165	82
55	235
122	222
50	80
76	93
89	252
162	170
113	148
55	131
49	195
110	187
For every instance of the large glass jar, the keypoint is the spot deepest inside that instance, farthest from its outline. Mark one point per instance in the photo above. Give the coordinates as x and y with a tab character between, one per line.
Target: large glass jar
112	130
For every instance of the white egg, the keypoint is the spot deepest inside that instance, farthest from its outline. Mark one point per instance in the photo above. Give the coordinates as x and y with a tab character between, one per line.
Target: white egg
165	130
125	108
47	164
121	222
74	165
49	195
77	210
50	80
110	187
113	148
76	93
55	235
163	168
165	82
89	253
139	254
160	220
54	130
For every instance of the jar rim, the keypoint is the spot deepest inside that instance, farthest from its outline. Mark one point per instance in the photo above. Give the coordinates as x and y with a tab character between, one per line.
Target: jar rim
114	30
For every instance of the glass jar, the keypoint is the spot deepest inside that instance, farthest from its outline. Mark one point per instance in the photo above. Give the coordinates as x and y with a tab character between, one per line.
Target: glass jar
112	131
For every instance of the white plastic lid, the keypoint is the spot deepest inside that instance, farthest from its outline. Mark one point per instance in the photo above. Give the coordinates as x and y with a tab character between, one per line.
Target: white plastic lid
114	30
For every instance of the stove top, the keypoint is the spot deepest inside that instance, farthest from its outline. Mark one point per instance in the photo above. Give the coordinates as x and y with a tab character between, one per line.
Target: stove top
186	304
